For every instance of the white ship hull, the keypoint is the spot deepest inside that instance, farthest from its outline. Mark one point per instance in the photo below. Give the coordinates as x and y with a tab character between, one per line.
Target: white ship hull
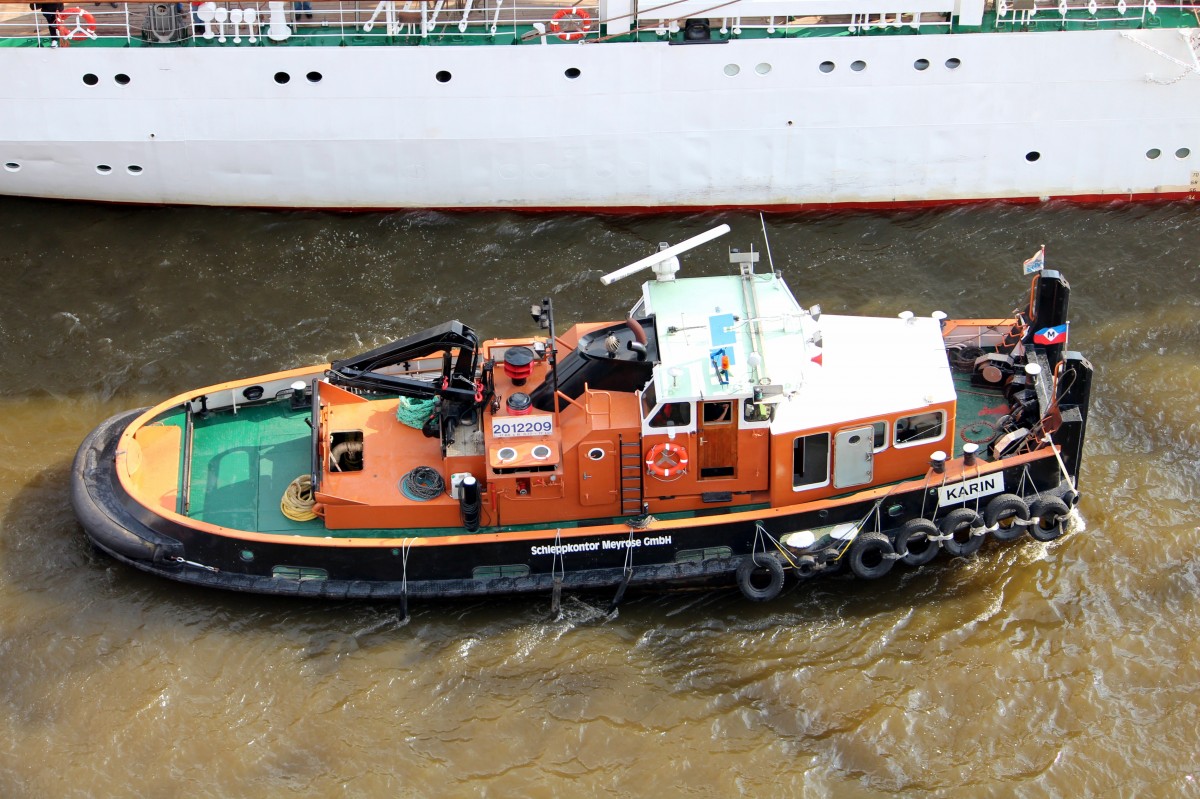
644	125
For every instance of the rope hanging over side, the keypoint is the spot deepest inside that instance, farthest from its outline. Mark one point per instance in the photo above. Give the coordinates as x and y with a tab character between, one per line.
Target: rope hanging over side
297	502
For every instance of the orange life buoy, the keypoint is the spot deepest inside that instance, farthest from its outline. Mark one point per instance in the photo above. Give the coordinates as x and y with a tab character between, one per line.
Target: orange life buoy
667	460
75	24
583	23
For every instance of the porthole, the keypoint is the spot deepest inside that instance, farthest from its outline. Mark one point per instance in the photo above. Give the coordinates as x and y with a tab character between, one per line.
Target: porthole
596	453
921	64
282	78
314	77
12	166
572	73
104	169
443	76
121	78
133	169
953	63
1153	153
246	555
732	69
763	69
1182	153
540	452
826	66
90	79
252	393
1032	156
858	66
506	454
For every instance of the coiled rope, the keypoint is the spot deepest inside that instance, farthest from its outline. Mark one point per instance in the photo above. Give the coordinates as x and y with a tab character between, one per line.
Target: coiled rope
422	483
414	412
297	503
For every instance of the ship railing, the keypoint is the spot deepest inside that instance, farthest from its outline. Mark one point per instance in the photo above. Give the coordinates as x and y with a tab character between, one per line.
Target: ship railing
1090	14
438	22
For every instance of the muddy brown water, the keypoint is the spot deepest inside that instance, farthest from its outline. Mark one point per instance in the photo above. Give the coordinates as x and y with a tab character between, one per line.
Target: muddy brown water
1035	670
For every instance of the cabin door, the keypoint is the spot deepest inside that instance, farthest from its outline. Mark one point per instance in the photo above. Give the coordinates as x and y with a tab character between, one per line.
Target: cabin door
853	457
718	438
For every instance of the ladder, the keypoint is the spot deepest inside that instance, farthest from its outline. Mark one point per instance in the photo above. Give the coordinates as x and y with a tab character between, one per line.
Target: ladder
631	476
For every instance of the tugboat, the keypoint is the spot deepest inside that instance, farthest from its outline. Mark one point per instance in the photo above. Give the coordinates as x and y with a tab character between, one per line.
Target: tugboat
722	433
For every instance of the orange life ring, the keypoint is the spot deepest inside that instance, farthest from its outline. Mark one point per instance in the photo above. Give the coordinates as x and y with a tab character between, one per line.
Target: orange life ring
584	23
84	24
667	460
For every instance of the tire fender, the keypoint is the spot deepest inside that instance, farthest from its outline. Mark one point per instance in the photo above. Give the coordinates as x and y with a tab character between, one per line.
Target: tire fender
1050	514
752	568
962	528
916	543
1006	517
871	556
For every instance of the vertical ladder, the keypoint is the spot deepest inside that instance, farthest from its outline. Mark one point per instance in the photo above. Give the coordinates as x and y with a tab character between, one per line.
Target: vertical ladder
631	476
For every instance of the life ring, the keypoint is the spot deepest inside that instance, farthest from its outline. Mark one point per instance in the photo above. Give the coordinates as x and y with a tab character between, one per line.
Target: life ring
84	26
960	527
916	543
667	460
752	568
871	556
1006	517
1051	514
581	18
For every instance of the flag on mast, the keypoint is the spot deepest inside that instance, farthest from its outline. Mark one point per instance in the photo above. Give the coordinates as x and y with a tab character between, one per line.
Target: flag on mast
1051	335
1037	262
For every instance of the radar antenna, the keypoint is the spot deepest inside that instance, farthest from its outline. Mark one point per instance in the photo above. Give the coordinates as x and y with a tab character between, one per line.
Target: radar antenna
665	257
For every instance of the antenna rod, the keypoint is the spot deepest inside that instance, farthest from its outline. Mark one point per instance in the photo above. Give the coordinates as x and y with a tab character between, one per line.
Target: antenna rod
662	255
766	242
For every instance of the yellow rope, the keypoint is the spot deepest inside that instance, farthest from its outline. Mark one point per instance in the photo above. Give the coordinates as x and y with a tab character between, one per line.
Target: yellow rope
297	502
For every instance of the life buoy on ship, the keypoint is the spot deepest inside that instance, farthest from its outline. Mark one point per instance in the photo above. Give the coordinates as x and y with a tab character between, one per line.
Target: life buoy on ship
75	24
751	572
667	460
581	19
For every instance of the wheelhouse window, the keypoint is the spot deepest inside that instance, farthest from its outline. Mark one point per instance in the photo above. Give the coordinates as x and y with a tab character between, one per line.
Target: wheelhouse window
810	461
880	436
718	412
672	414
758	411
919	427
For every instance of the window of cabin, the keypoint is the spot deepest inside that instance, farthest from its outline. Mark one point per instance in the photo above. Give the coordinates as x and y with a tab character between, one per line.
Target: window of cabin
919	427
649	400
677	414
880	435
717	412
810	461
758	411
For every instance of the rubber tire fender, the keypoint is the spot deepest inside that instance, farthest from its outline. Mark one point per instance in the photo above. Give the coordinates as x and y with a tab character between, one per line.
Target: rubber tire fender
806	567
1051	514
868	547
1010	508
920	530
750	566
956	522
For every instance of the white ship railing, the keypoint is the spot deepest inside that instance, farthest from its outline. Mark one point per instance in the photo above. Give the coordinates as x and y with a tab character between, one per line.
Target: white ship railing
409	22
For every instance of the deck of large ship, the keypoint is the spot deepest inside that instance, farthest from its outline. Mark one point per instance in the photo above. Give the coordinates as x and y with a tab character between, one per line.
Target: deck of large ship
464	22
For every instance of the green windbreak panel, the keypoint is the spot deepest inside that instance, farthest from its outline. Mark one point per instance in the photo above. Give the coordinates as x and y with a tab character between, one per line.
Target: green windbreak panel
242	463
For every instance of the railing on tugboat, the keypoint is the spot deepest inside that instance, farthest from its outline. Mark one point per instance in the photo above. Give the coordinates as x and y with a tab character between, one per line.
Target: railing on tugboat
551	22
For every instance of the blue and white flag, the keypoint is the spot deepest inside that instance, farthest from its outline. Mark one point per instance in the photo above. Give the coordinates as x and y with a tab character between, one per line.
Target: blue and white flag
1038	261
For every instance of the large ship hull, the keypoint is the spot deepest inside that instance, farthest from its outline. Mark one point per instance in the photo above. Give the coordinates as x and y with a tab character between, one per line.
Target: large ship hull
1088	115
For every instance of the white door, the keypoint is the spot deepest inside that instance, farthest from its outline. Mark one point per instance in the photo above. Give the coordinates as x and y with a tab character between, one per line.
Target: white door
853	457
